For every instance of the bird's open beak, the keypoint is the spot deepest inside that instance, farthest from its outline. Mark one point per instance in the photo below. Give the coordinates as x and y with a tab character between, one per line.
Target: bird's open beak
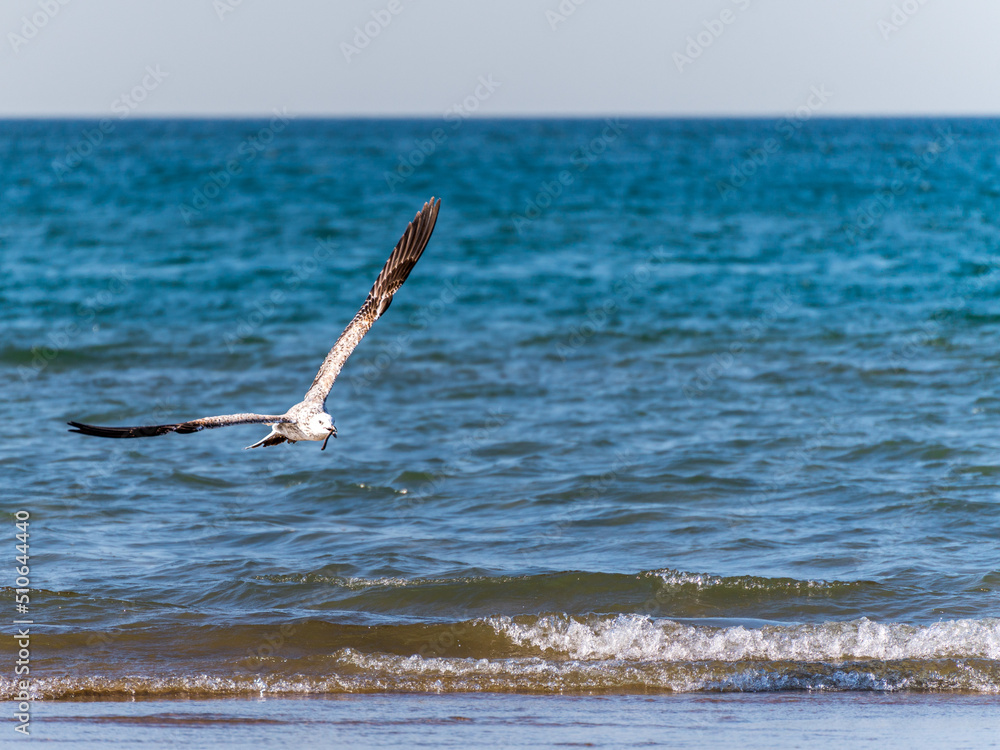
333	433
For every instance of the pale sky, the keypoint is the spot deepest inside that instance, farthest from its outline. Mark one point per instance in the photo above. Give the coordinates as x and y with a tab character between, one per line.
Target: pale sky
500	58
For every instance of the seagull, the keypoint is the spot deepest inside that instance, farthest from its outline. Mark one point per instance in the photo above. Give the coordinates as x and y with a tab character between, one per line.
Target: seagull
308	419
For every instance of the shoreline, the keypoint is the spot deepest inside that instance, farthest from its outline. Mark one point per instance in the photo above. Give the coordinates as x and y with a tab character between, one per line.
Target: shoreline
773	720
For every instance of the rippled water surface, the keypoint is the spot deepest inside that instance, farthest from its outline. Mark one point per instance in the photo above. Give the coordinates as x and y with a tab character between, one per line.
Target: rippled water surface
661	409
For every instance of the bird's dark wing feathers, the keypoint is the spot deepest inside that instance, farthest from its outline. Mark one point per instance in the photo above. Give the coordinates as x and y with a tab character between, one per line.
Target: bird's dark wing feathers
395	271
195	425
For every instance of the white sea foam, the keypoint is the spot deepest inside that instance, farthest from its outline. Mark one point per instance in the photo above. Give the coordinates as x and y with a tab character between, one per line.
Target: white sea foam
706	580
882	658
636	637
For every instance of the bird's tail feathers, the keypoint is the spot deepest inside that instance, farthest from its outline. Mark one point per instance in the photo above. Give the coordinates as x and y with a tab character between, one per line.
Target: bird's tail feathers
273	438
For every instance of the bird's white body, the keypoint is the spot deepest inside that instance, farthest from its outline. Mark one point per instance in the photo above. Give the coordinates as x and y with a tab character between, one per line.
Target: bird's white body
306	421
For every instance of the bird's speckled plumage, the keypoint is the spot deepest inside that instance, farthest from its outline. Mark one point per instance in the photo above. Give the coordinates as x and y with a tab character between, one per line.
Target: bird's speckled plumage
308	419
402	260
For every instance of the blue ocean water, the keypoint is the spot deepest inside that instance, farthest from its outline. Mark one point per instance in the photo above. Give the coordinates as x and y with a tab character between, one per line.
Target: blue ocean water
666	406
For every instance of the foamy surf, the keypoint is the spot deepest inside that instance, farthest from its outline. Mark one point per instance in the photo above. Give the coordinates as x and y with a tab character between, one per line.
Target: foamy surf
641	638
352	672
556	654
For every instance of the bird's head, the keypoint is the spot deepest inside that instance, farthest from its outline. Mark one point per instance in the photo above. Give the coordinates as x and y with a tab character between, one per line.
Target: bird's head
321	423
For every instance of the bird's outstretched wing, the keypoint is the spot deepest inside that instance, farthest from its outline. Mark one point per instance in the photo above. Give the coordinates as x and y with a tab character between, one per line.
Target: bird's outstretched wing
405	255
195	425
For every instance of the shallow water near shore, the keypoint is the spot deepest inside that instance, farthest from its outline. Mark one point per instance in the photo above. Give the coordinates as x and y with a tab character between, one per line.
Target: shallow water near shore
646	419
415	720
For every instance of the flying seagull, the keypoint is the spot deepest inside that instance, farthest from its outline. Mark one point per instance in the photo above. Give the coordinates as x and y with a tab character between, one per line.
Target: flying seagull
308	419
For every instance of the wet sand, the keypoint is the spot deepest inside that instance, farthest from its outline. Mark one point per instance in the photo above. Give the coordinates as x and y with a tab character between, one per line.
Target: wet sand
685	721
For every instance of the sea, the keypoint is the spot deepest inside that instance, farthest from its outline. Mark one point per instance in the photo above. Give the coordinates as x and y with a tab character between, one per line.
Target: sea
682	432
